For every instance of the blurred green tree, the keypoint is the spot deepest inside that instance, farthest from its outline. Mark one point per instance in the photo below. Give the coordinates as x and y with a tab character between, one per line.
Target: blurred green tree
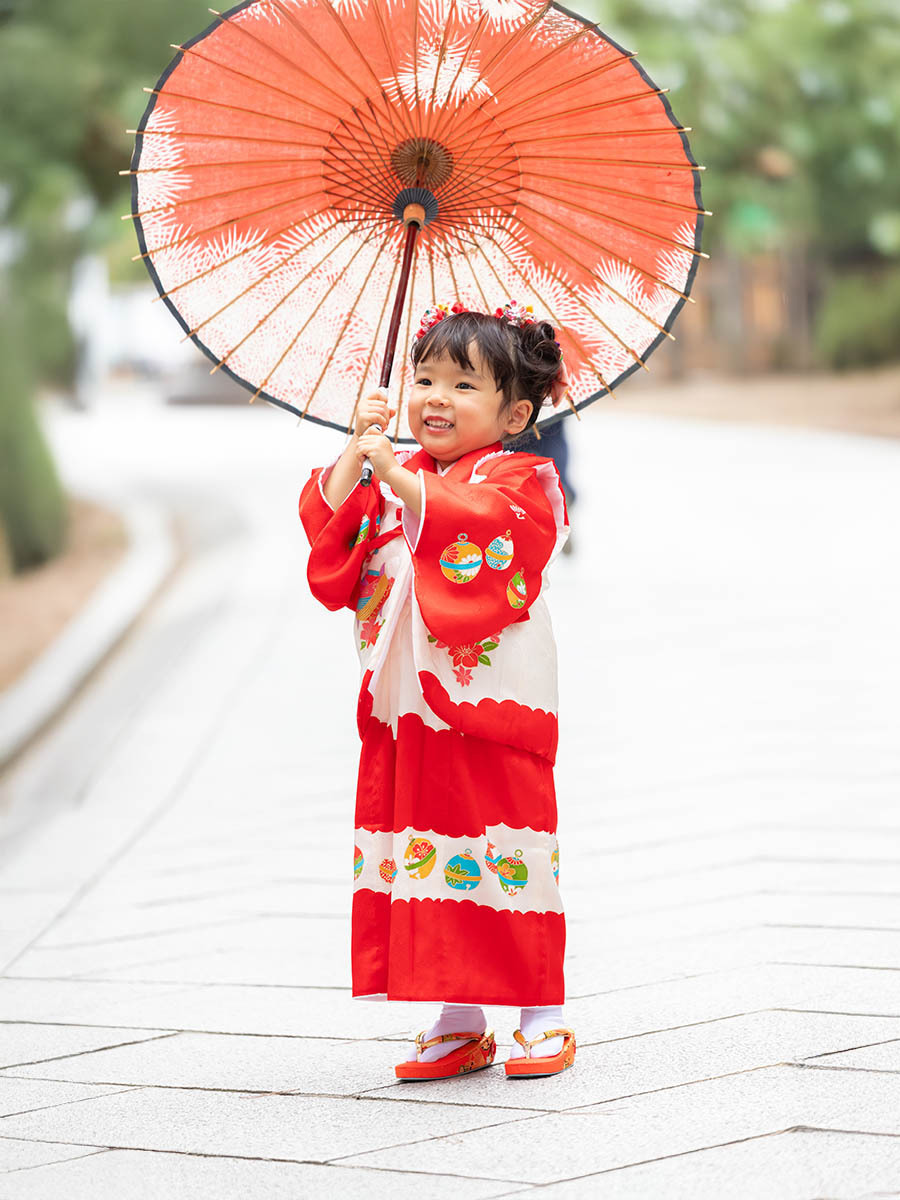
69	86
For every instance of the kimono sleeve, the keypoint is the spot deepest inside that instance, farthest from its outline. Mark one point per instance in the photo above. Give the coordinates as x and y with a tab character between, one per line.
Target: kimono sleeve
480	549
339	539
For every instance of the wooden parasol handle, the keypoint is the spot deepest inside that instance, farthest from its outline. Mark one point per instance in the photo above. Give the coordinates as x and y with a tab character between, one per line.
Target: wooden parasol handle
413	219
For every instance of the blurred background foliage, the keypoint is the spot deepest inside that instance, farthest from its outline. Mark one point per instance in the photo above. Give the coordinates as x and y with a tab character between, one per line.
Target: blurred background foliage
795	107
795	112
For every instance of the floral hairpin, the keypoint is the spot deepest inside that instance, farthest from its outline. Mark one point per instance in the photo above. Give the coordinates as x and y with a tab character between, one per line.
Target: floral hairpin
516	313
436	313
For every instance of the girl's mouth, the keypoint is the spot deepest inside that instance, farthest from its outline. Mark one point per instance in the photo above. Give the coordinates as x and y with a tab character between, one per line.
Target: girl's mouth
438	423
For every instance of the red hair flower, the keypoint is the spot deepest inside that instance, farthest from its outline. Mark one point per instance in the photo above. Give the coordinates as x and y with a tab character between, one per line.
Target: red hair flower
436	313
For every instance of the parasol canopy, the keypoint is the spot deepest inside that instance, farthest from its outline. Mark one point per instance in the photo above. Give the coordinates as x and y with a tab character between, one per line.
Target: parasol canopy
281	148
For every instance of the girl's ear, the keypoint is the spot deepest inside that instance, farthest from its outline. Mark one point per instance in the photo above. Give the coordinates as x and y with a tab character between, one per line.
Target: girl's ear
517	416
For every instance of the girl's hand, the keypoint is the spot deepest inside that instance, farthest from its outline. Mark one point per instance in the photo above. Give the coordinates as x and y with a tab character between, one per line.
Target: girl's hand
377	449
373	410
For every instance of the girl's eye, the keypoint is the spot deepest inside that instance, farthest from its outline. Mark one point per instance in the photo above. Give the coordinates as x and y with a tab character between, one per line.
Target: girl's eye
466	385
423	382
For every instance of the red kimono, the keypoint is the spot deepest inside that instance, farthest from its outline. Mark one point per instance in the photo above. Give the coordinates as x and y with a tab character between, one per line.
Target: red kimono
456	863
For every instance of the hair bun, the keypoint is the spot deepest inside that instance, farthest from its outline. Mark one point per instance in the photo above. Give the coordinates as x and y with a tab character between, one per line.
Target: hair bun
537	337
540	359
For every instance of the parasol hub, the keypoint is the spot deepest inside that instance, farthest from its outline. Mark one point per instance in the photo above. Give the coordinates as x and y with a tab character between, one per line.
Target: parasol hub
415	205
414	214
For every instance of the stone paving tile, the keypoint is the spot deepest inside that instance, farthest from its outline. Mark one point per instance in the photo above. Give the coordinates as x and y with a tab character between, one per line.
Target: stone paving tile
306	1128
225	934
633	1007
127	1173
83	929
24	1095
873	912
196	1060
853	844
325	966
828	878
672	1003
22	1043
672	1121
82	1002
783	1096
609	835
849	947
588	972
259	863
698	855
668	890
289	892
18	1155
841	989
257	950
314	933
884	1056
800	1165
609	933
297	1012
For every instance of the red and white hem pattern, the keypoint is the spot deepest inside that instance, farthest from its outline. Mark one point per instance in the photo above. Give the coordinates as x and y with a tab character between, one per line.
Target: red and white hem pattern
471	920
510	870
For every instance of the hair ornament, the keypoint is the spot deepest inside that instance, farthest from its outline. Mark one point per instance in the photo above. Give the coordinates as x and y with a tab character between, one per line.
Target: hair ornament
516	313
436	313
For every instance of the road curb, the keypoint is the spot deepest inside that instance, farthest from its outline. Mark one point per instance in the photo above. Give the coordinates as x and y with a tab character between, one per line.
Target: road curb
113	607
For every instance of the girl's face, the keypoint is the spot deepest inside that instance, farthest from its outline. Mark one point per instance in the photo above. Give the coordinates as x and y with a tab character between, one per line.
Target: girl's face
453	410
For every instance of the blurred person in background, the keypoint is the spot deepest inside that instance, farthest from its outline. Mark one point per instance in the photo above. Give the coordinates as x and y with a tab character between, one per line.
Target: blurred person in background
551	443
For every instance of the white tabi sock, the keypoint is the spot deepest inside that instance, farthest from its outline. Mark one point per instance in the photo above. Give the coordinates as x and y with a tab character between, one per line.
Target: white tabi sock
535	1021
454	1018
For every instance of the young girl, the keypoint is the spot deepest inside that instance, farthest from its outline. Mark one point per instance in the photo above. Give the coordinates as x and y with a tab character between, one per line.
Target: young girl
443	560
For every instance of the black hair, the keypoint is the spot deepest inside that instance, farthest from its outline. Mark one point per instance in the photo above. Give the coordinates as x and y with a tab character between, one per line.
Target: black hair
523	359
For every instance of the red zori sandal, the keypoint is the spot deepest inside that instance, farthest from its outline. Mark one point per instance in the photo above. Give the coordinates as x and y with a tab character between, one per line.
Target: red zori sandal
530	1068
478	1052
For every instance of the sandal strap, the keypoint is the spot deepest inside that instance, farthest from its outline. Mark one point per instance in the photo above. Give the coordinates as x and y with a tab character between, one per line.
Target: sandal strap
542	1037
421	1044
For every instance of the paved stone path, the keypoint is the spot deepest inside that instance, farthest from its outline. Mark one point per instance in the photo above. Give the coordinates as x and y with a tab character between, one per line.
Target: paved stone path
174	883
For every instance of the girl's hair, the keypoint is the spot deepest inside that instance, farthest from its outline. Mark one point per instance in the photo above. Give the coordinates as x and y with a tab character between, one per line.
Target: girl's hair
523	359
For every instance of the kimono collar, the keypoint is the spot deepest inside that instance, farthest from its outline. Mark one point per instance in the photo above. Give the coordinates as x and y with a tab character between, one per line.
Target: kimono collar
461	469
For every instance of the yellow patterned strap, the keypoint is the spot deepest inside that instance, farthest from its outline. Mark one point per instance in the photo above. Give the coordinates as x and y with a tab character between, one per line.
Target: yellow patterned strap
421	1044
542	1037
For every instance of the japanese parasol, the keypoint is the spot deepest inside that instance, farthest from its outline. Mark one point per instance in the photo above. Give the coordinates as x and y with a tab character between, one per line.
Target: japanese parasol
310	175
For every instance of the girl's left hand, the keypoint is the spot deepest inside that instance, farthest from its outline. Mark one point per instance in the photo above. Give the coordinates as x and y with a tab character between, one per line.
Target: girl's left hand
377	449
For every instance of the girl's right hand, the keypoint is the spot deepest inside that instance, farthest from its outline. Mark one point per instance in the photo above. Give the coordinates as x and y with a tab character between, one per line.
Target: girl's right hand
373	410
